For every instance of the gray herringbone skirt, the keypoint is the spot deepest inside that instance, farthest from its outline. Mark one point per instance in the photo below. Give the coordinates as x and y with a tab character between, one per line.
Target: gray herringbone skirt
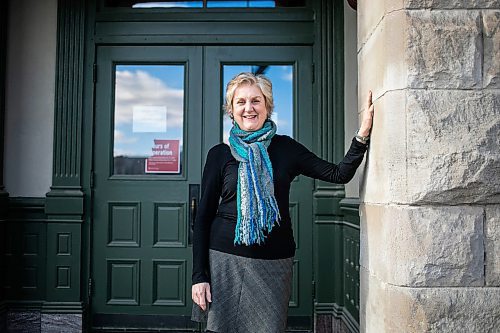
248	295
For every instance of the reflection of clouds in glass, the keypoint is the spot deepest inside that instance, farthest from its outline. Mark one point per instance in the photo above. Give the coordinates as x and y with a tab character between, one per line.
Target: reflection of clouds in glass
121	138
140	88
228	124
287	76
177	4
281	123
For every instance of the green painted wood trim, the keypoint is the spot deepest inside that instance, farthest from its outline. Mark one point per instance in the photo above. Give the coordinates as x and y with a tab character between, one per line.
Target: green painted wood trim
349	208
290	26
64	203
337	222
63	262
210	39
18	305
209	15
57	258
68	203
339	312
3	316
87	153
3	60
63	307
3	194
68	97
331	120
205	32
24	250
27	208
338	88
329	221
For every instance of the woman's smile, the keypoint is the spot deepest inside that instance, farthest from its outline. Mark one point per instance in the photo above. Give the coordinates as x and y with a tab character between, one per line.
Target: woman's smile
249	108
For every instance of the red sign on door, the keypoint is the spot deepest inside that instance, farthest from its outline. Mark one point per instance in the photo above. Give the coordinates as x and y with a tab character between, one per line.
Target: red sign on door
166	157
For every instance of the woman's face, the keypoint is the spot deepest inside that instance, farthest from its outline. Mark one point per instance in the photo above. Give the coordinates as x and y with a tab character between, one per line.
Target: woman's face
249	108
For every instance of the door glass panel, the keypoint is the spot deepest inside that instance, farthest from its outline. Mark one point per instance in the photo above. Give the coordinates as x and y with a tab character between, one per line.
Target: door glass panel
282	79
154	4
148	119
242	4
208	4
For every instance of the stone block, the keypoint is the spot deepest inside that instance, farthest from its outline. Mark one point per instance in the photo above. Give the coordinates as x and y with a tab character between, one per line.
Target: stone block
428	246
492	245
388	308
3	319
370	15
452	146
451	4
61	323
381	61
491	45
444	49
384	176
23	321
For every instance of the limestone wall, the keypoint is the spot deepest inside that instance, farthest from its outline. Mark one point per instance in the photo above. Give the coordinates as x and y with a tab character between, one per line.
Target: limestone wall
430	235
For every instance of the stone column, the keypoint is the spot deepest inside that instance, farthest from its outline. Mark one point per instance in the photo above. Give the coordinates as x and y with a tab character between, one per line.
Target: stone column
430	215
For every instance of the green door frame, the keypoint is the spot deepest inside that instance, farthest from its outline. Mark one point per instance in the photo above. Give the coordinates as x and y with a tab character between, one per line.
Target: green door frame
81	28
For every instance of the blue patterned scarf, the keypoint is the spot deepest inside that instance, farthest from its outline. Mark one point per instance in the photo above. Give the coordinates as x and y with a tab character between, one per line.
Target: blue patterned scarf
257	206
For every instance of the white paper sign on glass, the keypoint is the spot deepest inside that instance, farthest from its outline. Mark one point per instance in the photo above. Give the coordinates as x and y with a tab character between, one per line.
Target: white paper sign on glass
149	119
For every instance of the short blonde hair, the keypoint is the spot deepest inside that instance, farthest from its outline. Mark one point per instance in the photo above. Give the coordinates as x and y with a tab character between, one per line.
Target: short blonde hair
259	80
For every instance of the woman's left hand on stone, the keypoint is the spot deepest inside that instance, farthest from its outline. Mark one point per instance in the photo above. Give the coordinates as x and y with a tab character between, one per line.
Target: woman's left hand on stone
367	117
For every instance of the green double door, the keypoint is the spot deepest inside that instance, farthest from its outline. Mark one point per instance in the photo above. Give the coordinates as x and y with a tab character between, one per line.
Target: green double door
158	110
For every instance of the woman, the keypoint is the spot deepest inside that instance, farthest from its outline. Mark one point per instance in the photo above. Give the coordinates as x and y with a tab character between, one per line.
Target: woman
243	244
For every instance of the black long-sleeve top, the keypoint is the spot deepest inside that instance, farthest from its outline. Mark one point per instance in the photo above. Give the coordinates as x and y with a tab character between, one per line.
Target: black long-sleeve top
215	221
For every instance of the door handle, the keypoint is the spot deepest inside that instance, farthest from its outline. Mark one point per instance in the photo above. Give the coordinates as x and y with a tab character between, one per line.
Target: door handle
193	211
194	192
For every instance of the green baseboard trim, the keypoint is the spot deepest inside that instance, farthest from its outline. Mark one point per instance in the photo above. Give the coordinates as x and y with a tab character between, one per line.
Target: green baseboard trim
337	222
4	202
43	306
24	305
349	207
350	204
338	312
324	189
25	209
63	307
349	321
26	206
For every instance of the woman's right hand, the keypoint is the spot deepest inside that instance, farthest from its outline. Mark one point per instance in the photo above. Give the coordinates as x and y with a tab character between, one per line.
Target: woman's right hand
200	293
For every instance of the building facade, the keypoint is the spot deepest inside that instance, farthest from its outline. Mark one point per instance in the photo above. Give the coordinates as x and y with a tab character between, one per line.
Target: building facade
108	109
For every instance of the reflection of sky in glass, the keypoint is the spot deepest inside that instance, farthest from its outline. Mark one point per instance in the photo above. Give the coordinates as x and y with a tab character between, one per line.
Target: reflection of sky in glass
172	4
210	4
144	93
245	4
282	78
